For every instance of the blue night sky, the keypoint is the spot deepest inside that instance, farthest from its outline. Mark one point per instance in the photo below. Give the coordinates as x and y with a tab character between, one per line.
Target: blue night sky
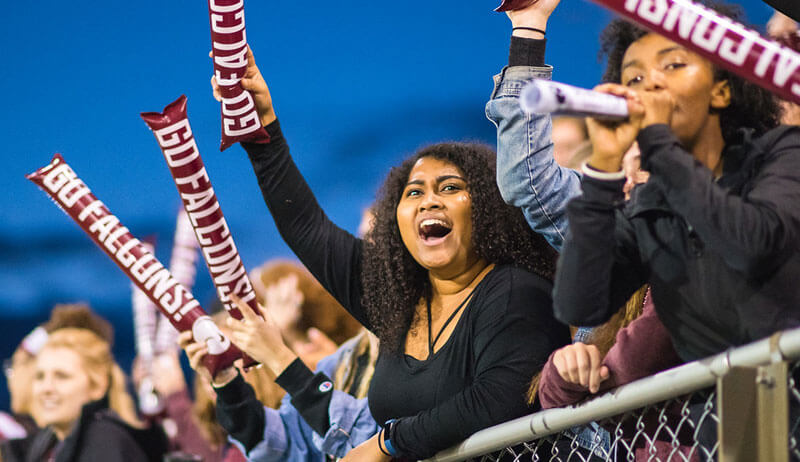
357	86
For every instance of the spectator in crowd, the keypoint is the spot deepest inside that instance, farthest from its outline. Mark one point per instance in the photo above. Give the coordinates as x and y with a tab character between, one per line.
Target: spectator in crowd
313	323
305	305
323	414
190	424
451	280
80	402
633	344
208	438
529	173
80	316
20	367
298	303
714	230
534	183
340	415
785	30
19	373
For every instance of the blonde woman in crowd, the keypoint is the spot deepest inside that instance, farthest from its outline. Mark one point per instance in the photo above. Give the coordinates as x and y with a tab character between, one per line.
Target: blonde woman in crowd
80	402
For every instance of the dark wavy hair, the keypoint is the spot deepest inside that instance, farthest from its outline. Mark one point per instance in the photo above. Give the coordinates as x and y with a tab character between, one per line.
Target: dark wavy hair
394	283
751	106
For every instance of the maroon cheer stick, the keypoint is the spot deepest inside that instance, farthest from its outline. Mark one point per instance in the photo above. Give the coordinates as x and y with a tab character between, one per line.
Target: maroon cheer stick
720	39
71	194
511	5
182	265
240	121
174	136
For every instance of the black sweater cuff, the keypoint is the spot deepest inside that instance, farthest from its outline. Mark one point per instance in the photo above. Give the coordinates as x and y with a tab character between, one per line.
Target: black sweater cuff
274	132
234	392
525	52
240	413
651	139
311	394
609	193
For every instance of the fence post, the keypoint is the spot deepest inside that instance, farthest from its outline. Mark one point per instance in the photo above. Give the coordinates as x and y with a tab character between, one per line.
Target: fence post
773	412
754	414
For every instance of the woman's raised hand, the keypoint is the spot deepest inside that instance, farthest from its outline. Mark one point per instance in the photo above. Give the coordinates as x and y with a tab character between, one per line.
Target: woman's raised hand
612	139
196	351
781	25
534	15
260	338
284	301
255	84
581	364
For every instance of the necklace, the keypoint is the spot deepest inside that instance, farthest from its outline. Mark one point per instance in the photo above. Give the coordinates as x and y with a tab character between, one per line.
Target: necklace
446	323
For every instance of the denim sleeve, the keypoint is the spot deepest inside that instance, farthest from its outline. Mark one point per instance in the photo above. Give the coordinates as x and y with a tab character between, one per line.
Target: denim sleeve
527	174
351	425
287	437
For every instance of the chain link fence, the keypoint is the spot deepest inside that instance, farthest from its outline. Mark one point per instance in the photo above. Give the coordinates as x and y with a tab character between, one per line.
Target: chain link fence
682	427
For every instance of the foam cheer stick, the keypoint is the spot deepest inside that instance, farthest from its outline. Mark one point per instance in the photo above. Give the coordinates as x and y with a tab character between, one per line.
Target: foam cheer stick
74	197
240	121
174	136
510	5
182	265
543	96
720	39
145	317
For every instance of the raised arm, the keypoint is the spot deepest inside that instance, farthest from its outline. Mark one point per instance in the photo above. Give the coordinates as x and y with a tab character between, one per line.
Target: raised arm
527	174
340	420
313	418
331	254
600	265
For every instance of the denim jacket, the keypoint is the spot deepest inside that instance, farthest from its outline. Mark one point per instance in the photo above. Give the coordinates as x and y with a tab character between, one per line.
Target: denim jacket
527	174
529	178
287	437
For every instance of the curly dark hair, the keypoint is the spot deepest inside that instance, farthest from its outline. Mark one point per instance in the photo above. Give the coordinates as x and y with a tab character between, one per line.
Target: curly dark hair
394	283
751	106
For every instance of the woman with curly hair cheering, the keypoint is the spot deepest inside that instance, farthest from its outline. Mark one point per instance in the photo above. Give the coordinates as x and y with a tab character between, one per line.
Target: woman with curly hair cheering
452	280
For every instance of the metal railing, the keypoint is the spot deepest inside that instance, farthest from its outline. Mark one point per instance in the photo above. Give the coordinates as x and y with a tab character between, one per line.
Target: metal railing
672	415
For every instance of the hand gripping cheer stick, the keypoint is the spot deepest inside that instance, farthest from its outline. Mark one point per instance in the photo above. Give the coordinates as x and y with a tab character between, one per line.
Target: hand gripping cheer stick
544	96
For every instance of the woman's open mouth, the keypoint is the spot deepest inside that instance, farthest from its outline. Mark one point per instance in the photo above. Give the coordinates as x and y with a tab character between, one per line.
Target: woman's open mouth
433	231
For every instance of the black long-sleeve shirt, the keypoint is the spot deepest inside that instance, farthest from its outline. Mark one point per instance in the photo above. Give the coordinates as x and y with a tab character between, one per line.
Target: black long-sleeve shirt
477	379
722	257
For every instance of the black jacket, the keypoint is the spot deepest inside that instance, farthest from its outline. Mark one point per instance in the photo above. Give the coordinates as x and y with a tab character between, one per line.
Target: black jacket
100	435
721	256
